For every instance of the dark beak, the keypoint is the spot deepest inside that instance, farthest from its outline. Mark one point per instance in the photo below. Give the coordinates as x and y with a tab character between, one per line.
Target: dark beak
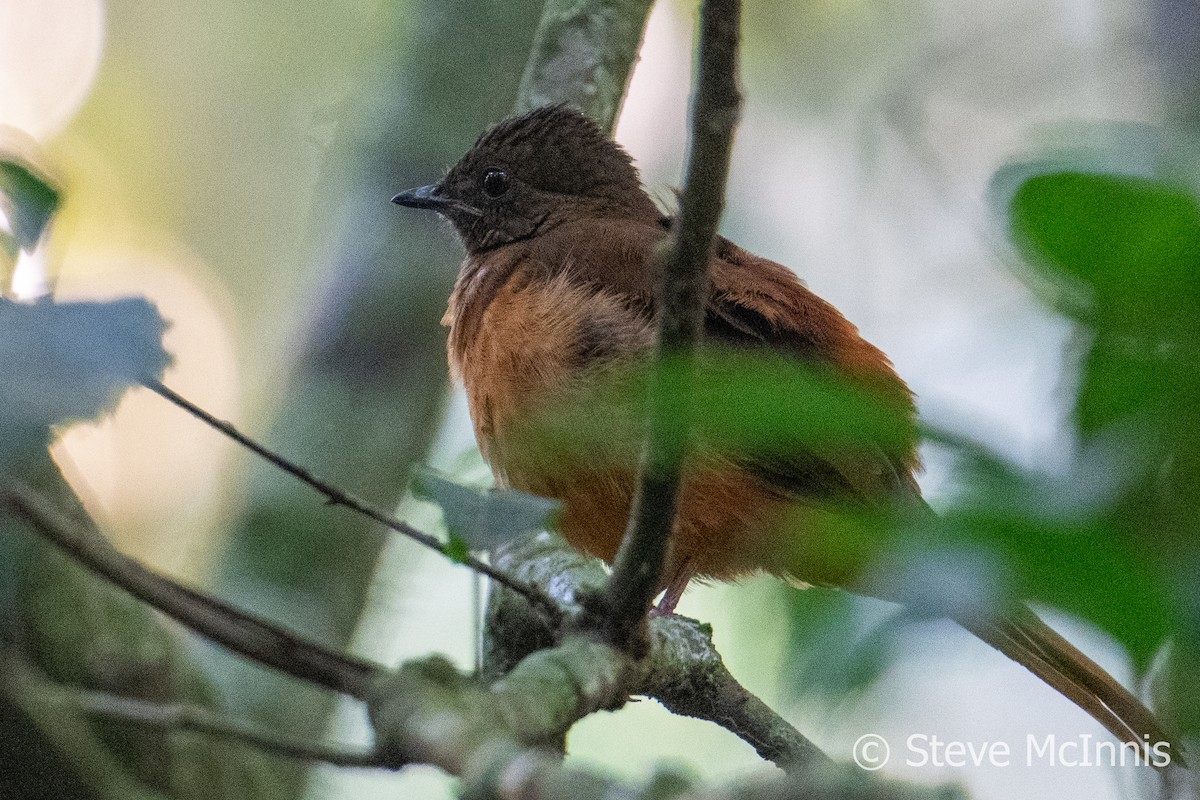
423	197
431	197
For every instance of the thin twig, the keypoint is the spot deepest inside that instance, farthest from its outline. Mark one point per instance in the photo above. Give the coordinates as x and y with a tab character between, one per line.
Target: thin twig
637	574
336	496
211	617
172	717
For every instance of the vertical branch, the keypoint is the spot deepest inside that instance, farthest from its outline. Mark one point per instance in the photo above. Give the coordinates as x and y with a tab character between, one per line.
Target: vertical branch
716	104
583	54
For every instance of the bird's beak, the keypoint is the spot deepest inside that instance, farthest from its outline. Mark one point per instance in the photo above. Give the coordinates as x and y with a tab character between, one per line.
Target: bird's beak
431	197
423	197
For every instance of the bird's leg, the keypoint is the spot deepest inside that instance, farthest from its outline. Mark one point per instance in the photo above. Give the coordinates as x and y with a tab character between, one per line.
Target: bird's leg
675	589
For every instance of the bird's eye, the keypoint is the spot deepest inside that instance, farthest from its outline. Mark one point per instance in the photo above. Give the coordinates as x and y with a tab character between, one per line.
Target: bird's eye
495	182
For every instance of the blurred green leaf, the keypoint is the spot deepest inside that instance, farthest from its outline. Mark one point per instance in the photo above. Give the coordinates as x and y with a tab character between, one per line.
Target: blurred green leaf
1133	242
767	404
1058	541
1091	571
1009	535
457	550
480	519
1107	540
742	403
28	199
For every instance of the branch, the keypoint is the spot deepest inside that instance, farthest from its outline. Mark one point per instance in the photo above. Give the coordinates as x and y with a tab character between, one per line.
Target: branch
210	617
496	739
511	629
178	717
583	54
682	669
336	496
688	676
428	712
637	572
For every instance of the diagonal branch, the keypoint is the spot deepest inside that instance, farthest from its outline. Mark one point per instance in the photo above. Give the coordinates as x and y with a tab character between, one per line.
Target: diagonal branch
689	678
210	617
336	496
178	717
638	570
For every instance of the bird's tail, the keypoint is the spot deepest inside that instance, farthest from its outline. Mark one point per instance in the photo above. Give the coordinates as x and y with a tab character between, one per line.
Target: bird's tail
1026	639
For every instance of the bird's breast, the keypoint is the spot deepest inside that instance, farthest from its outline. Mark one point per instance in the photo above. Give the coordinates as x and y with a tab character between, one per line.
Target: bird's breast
533	350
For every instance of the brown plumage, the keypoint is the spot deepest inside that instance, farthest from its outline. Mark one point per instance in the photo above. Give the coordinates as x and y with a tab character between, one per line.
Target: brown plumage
556	297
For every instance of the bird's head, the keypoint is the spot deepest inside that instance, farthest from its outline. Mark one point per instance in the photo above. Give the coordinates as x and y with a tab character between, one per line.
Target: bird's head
530	173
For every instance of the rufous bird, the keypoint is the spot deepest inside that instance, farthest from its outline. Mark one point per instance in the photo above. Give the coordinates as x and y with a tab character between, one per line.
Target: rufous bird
557	290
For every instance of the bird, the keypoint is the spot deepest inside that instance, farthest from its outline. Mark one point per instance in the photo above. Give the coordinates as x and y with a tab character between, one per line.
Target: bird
556	299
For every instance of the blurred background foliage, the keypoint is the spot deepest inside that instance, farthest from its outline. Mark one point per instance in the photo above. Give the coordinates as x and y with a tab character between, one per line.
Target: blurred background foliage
1002	195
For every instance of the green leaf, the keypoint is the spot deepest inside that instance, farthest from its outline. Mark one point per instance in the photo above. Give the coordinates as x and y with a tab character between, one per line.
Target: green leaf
1132	244
457	550
1092	571
1058	539
29	200
480	519
741	403
770	404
